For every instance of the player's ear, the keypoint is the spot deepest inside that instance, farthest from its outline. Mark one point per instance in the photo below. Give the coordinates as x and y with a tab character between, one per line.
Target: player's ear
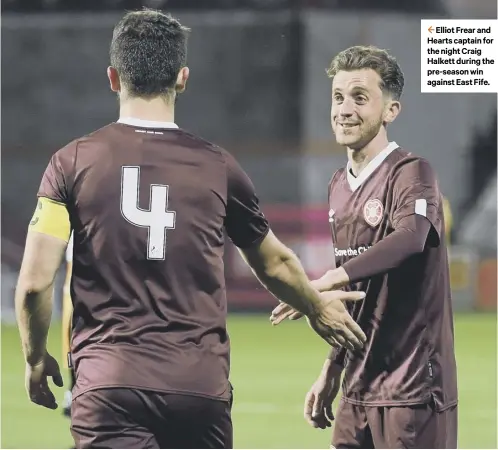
114	81
181	80
391	111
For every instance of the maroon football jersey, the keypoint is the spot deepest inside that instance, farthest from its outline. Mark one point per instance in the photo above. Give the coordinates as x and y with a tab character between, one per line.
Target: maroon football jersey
148	205
409	355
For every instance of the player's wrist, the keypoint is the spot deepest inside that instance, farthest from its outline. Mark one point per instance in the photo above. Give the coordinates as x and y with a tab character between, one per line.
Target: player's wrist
339	278
315	306
35	359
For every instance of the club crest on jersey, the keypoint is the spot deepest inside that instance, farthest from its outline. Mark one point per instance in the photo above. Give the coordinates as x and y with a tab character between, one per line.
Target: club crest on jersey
373	212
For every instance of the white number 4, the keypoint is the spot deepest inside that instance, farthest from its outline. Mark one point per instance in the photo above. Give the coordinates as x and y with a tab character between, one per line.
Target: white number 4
157	219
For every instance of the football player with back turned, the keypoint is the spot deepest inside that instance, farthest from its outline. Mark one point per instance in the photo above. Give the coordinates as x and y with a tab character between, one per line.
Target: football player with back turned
148	204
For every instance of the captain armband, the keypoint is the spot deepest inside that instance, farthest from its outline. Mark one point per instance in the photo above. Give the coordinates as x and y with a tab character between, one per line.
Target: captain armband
52	218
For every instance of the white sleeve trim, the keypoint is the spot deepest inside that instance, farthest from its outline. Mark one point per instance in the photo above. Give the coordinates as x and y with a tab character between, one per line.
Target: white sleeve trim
421	207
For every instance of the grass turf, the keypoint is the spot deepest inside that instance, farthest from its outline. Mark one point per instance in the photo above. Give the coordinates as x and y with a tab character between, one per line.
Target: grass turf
272	368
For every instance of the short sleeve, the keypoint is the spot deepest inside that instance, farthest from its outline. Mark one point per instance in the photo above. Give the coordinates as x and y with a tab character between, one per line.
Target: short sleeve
245	223
53	184
416	191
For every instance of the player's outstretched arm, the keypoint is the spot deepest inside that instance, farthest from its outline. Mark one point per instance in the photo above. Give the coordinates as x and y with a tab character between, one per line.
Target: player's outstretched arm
408	239
278	268
416	220
280	271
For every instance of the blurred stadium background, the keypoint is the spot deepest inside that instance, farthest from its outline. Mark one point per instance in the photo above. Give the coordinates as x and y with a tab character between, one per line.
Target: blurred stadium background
258	88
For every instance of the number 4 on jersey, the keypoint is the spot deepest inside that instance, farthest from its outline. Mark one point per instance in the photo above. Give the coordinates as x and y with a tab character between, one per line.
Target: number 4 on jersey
157	219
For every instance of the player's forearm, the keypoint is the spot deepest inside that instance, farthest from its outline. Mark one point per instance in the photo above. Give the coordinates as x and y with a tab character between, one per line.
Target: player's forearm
407	240
333	365
336	358
33	312
287	281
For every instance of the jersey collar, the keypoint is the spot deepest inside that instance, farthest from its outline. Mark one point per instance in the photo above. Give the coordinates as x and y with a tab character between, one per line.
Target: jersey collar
356	182
146	123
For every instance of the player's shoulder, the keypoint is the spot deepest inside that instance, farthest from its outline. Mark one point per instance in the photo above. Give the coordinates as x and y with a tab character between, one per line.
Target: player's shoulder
403	159
402	156
194	141
337	176
214	150
71	149
408	168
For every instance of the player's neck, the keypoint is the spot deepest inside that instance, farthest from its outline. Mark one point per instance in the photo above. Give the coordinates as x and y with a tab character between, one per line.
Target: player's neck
154	110
359	158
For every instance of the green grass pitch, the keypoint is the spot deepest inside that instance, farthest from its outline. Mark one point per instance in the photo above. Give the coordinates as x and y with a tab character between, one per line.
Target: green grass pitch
272	368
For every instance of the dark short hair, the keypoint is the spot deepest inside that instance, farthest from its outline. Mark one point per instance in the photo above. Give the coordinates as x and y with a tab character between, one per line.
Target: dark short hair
370	57
148	50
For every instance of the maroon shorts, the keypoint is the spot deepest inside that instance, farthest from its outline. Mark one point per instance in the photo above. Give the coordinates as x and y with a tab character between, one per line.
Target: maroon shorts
132	418
419	426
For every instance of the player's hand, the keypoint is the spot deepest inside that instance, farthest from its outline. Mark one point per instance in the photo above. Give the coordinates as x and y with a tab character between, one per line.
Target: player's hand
37	381
282	312
319	399
334	324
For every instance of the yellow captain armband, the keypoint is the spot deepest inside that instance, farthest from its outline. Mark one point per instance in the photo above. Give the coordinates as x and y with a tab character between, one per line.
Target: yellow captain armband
52	218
